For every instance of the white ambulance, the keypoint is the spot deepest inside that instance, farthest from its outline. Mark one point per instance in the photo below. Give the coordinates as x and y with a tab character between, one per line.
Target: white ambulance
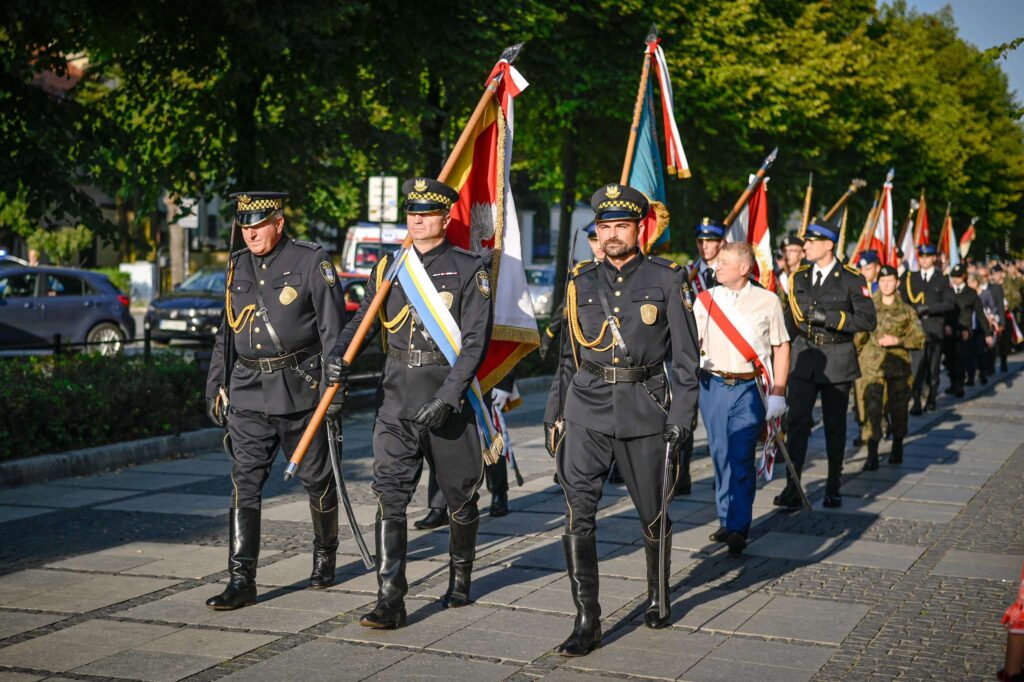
364	242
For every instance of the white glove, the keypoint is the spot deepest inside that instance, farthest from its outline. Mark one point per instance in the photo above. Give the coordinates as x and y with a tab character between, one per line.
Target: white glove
500	398
776	407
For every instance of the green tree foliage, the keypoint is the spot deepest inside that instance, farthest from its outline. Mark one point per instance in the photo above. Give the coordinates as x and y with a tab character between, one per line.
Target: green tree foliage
63	245
199	98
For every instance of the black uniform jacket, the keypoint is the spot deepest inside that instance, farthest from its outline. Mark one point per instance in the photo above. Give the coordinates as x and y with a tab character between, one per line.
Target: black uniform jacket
968	310
657	327
936	294
460	277
304	303
826	354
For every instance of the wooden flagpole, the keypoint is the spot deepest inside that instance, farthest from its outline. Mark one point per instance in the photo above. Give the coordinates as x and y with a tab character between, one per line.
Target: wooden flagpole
509	55
806	219
854	186
638	108
758	177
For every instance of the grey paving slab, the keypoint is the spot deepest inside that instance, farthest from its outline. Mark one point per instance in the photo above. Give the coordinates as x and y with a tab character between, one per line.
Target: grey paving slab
431	667
650	653
921	511
809	620
858	487
631	562
569	675
694	538
11	513
793	656
983	565
260	617
174	503
96	591
9	676
131	479
169	610
723	670
923	492
102	561
189	467
793	546
715	610
193	561
152	666
217	644
520	649
16	622
62	497
80	644
22	584
964	479
427	623
367	580
321	661
875	555
315	601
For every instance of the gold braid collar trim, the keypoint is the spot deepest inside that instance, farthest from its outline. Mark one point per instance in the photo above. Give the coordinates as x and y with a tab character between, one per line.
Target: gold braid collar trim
919	298
246	315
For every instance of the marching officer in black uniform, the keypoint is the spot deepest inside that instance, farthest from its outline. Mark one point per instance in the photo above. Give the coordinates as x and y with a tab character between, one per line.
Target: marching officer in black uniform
928	291
620	405
282	309
967	314
829	302
422	411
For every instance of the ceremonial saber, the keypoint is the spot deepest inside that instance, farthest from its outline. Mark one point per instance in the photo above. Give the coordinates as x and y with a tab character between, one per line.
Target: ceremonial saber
663	607
782	447
509	55
334	441
758	177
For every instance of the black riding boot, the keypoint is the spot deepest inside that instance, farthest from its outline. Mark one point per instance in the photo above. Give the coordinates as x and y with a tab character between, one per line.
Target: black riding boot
461	552
581	558
655	588
896	456
391	541
871	464
325	547
243	553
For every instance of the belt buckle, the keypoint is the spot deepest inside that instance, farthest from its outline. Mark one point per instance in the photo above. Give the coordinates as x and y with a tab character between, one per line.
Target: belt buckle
265	365
415	358
611	375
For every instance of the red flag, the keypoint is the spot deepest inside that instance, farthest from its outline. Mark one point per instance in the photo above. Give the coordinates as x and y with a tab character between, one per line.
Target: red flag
922	235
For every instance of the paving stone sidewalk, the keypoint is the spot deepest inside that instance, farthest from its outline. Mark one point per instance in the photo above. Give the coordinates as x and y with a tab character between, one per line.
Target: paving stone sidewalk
104	577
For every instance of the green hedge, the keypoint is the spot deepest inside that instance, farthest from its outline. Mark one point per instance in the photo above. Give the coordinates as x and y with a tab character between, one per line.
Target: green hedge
53	404
121	280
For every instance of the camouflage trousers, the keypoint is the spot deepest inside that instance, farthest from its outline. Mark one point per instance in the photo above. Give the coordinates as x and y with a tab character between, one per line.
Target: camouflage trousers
881	396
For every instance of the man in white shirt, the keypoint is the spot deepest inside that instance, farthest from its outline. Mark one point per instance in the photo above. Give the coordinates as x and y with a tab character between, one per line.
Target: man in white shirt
748	319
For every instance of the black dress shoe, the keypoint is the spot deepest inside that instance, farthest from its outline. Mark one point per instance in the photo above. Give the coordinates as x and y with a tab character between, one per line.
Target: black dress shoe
833	500
983	379
720	534
788	499
737	542
435	518
916	411
969	382
499	504
951	390
896	455
929	407
959	393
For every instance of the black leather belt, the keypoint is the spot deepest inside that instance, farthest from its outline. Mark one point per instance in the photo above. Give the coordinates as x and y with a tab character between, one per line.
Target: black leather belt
418	358
270	365
730	378
823	338
621	375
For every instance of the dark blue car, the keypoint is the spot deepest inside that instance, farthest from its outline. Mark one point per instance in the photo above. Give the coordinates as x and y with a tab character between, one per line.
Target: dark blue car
38	303
192	311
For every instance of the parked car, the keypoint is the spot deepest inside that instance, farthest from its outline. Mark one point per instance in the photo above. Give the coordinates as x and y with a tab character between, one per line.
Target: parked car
540	280
192	311
37	303
8	261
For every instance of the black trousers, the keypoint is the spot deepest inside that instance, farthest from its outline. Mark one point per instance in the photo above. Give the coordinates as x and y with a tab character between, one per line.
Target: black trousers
255	440
495	476
583	464
835	401
453	452
926	372
960	359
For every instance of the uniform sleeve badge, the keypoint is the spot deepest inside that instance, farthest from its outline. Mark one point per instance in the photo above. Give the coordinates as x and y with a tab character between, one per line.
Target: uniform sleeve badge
684	292
483	283
328	272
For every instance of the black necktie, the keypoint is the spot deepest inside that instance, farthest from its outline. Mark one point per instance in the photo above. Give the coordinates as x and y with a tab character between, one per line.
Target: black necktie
709	278
817	279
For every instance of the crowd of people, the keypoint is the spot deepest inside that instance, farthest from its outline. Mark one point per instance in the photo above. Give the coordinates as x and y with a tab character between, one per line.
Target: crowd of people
645	347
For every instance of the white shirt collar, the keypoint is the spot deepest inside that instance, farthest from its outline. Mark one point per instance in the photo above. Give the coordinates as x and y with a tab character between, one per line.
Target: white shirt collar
825	272
927	274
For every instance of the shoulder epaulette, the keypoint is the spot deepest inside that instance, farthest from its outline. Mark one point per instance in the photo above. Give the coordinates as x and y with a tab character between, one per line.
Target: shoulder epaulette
583	266
805	266
850	268
238	253
309	245
665	262
467	252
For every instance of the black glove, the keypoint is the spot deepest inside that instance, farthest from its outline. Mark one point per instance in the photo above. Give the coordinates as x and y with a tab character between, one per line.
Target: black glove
434	414
335	409
816	316
922	309
674	435
215	415
336	370
552	434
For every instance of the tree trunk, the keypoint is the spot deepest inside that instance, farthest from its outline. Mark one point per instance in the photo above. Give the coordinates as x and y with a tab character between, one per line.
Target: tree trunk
176	245
432	124
570	166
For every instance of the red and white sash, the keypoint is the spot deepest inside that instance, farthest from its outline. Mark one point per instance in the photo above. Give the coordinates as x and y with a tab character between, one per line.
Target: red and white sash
696	280
755	350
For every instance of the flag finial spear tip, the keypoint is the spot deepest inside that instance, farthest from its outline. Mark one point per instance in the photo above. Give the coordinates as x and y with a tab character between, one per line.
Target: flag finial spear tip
510	53
770	159
890	175
652	34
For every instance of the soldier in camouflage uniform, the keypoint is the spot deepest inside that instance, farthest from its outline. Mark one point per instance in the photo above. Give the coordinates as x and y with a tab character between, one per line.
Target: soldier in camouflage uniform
884	356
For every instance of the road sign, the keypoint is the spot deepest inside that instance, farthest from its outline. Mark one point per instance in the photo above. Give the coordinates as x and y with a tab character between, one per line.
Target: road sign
382	201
